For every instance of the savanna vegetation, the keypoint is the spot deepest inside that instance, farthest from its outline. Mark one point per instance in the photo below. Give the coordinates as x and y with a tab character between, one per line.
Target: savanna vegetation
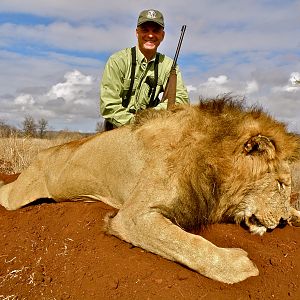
18	147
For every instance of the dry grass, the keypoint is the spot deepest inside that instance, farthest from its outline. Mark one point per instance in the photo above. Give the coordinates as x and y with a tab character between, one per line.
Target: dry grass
17	153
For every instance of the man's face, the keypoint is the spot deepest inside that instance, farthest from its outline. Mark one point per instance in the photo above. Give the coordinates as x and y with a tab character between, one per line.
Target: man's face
149	36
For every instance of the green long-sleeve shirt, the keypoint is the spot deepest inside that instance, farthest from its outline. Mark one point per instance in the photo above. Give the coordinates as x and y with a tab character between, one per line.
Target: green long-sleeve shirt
116	80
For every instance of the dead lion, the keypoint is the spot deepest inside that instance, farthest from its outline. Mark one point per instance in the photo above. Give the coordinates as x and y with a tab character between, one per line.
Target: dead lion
174	171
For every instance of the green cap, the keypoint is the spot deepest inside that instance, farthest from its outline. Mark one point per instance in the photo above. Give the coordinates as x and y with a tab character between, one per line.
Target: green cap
151	15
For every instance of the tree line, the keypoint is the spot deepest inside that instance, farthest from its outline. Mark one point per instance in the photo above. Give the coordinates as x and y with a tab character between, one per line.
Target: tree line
30	128
38	129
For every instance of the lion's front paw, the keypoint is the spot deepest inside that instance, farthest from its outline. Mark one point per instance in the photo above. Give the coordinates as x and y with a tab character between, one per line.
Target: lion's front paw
234	266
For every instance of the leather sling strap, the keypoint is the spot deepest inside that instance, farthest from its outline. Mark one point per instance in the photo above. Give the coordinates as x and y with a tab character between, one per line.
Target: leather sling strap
153	103
126	99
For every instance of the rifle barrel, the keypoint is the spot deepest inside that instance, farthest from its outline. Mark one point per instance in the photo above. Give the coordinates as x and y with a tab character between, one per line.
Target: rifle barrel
183	28
170	90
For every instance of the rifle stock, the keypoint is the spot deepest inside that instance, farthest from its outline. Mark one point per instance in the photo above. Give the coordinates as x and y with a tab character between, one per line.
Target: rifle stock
170	90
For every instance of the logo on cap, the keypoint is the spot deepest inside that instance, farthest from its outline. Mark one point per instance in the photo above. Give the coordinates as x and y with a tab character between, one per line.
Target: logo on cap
151	14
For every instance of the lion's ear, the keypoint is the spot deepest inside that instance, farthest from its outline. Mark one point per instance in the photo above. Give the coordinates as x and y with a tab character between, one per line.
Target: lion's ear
260	145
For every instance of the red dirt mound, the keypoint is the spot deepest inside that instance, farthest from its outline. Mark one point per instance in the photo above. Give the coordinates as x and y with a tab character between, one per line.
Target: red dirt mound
59	251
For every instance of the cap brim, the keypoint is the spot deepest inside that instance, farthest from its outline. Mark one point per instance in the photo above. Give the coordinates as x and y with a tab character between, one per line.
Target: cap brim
150	21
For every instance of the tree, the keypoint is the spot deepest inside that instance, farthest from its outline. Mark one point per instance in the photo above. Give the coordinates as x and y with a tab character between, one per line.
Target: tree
29	126
6	130
42	127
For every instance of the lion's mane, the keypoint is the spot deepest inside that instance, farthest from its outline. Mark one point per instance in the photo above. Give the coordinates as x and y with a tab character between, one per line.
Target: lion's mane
208	143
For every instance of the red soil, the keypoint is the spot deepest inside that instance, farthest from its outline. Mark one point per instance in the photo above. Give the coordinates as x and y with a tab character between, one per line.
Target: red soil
59	251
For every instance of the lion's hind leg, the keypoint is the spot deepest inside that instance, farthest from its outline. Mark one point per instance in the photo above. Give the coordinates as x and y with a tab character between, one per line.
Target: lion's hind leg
4	194
28	187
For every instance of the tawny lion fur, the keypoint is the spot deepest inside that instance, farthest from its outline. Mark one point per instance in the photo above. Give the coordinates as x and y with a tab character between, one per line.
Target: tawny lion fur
174	171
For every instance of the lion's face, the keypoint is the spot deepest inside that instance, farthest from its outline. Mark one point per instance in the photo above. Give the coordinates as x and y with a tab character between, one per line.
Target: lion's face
267	201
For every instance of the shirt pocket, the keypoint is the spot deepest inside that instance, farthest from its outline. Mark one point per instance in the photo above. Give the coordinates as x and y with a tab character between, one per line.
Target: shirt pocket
144	93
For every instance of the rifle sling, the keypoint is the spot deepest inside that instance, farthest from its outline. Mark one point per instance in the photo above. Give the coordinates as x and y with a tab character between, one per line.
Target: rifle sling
151	103
126	99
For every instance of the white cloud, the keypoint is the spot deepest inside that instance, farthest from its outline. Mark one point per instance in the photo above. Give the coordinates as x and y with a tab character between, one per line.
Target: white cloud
72	103
220	80
75	87
252	87
63	35
191	88
24	99
291	86
214	86
295	79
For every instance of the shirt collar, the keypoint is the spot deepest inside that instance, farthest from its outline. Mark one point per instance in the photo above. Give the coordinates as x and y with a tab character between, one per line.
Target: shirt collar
140	56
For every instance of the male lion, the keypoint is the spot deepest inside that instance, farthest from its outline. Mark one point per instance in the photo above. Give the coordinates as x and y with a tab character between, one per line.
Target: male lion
173	171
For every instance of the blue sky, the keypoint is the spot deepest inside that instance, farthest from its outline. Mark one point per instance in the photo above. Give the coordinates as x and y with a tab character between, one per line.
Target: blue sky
52	54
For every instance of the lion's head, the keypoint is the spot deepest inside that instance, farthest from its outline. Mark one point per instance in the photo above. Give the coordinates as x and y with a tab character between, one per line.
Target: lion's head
264	200
234	164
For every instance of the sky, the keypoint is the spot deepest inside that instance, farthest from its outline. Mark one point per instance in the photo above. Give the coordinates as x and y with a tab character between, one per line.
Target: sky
52	54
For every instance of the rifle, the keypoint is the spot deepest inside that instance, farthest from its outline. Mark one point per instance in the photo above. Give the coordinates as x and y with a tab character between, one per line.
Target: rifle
170	90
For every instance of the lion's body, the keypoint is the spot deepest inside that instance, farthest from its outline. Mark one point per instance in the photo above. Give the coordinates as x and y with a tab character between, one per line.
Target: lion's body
187	167
74	176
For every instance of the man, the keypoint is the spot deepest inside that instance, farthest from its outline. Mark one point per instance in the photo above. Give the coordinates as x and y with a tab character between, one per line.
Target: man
134	78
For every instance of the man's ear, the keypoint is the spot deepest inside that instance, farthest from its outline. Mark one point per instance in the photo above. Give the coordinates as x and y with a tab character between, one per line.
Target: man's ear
163	35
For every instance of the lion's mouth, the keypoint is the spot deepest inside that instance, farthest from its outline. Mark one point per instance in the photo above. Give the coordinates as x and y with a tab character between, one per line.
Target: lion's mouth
256	226
255	221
